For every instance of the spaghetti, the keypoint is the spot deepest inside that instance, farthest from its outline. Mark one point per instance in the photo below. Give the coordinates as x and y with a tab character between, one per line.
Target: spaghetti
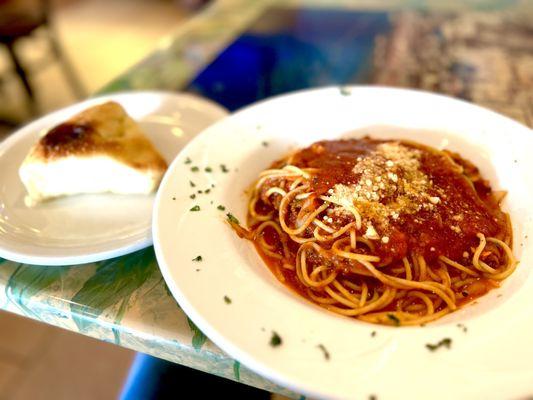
389	232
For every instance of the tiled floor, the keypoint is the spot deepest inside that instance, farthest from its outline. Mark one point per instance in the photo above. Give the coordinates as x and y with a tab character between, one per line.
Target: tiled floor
38	361
101	38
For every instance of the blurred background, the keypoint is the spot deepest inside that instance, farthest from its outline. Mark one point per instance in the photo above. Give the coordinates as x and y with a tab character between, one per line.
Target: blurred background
97	40
68	49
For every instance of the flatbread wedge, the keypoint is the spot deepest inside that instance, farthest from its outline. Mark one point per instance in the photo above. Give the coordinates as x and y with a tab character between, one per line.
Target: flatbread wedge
98	150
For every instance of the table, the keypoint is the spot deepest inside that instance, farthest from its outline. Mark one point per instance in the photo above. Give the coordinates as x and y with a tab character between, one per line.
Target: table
480	51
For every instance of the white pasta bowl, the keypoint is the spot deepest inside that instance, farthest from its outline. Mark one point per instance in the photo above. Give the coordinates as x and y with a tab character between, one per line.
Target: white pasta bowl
233	297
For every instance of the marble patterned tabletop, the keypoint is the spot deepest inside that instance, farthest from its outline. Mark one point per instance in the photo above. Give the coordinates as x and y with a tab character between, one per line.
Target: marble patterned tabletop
454	47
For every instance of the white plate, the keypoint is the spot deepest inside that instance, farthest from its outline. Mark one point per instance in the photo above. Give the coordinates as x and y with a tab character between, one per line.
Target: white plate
492	360
89	228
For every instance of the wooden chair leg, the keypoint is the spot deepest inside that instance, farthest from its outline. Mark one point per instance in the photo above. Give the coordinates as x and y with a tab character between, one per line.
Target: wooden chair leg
71	76
32	105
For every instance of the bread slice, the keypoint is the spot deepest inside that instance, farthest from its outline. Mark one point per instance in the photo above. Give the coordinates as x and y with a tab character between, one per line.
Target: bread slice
98	150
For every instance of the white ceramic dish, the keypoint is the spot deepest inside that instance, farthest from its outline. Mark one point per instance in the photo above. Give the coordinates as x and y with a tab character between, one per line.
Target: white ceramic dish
492	360
88	228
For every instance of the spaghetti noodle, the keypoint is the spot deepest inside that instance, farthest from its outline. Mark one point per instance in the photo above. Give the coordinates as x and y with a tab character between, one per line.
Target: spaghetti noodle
389	232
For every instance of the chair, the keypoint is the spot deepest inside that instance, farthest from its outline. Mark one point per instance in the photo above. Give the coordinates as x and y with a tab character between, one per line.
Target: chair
20	19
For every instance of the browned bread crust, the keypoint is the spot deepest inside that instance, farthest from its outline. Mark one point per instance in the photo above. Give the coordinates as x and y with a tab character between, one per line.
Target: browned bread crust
104	129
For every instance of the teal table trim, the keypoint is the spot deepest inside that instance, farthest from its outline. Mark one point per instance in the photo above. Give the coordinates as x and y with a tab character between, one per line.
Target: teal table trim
125	300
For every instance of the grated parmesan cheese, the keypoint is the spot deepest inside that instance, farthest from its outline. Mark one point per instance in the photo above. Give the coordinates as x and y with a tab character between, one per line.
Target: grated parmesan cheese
371	233
387	183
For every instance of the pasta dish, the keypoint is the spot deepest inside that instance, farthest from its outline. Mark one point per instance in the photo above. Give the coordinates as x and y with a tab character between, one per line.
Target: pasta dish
385	231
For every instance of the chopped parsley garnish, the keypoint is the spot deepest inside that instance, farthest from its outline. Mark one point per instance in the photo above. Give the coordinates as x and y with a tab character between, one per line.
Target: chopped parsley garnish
223	168
195	169
192	184
324	350
188	160
208	169
200	191
345	91
195	208
373	334
264	143
227	300
173	198
199	258
446	342
192	196
462	327
207	191
212	185
232	219
275	340
372	397
394	319
221	208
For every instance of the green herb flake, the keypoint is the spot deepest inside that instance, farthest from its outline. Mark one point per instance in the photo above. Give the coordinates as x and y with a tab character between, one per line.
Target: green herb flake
173	198
232	219
200	191
325	351
345	91
195	208
373	334
192	196
208	169
264	143
223	168
275	340
188	160
372	397
197	259
221	208
192	184
195	169
462	327
207	191
446	342
227	300
394	319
